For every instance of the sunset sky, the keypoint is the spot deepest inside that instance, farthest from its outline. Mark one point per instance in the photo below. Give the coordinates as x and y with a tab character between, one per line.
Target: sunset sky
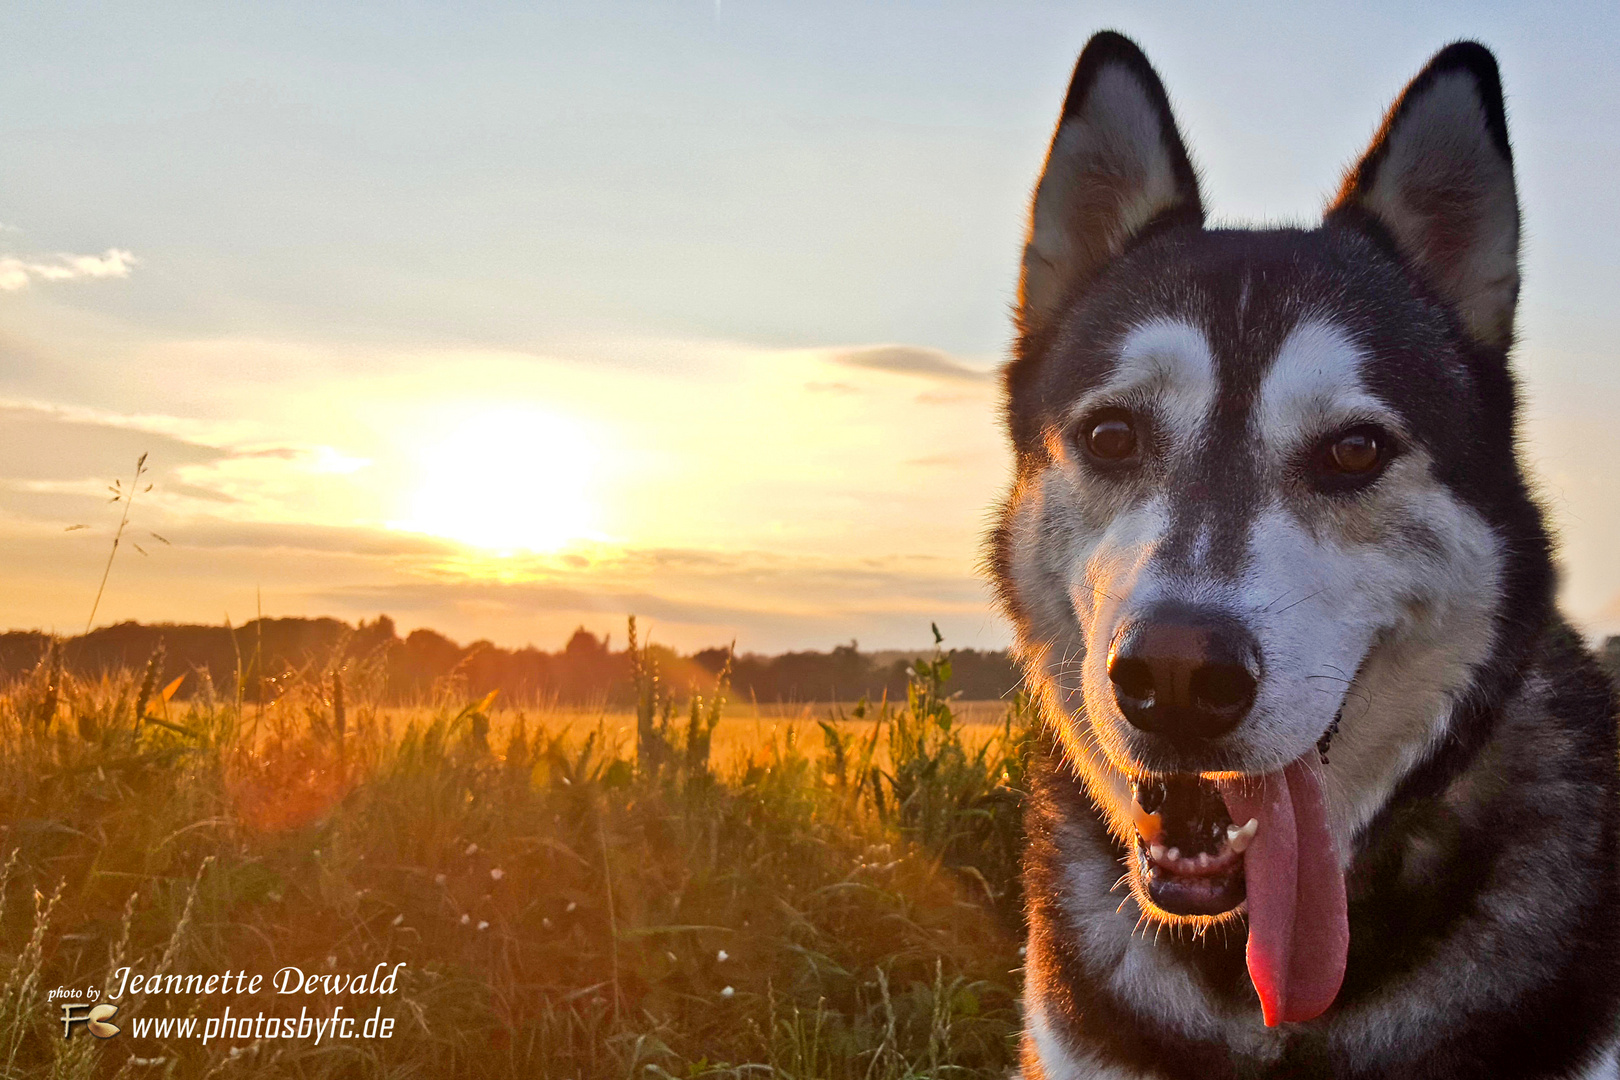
503	321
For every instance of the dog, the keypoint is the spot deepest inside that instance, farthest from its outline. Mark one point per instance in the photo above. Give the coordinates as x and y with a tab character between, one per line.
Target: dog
1328	787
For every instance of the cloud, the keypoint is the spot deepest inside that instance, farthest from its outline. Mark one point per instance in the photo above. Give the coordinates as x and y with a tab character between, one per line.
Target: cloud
911	360
44	443
690	599
17	273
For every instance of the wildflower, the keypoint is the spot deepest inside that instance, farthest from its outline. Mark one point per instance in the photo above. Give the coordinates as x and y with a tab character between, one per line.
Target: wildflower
722	956
729	992
472	849
572	904
439	879
400	918
465	919
483	924
545	924
497	873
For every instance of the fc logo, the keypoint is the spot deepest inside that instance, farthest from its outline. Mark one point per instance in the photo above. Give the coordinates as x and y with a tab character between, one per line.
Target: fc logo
94	1017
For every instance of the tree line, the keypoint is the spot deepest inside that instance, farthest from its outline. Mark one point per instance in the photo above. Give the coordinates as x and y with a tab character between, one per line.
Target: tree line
261	659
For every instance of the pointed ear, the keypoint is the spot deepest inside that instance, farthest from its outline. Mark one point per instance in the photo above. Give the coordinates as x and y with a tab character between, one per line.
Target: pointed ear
1117	164
1438	179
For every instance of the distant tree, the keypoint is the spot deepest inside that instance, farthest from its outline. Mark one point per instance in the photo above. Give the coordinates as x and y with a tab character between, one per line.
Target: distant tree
585	671
711	659
585	644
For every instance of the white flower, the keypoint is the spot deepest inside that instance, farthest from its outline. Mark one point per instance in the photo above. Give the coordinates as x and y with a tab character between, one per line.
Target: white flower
465	919
497	873
399	919
545	924
722	956
439	879
728	992
483	924
472	849
571	906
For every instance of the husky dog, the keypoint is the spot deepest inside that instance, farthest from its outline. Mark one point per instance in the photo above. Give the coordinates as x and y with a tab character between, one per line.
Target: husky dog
1329	787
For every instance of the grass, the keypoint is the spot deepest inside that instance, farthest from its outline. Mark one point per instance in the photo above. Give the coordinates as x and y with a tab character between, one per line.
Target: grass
663	895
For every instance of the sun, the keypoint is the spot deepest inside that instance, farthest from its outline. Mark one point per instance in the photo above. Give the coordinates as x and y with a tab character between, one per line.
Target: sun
507	480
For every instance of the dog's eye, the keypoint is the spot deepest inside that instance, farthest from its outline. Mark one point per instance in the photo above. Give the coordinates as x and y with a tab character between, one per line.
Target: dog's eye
1356	452
1353	456
1110	435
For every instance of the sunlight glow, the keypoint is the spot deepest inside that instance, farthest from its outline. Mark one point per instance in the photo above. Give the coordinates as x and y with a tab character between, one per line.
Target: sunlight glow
507	480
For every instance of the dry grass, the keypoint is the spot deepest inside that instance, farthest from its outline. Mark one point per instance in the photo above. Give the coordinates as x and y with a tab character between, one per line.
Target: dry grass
676	892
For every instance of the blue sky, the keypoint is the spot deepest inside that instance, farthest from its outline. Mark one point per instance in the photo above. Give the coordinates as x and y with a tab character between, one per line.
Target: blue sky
325	253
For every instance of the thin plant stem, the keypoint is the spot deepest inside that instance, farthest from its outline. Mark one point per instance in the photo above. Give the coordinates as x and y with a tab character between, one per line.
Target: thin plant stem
129	499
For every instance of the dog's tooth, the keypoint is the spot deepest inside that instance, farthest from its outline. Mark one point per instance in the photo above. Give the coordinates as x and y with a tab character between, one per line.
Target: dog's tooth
1174	854
1240	839
1151	826
1204	860
1156	852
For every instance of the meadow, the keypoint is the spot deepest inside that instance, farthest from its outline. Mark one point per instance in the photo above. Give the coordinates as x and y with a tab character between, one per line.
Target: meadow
685	889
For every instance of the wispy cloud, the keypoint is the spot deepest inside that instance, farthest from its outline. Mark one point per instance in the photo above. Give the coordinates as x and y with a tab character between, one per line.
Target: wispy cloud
911	360
18	273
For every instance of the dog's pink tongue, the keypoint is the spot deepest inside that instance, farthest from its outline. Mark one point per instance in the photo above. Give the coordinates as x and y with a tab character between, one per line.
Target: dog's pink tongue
1299	932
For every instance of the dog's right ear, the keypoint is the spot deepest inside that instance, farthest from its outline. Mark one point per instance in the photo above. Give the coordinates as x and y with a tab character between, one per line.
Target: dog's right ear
1117	164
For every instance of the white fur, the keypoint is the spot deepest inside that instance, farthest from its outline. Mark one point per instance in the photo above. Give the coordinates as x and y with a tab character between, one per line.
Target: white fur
1060	1061
1323	605
1166	361
1313	386
1170	364
1606	1067
1323	601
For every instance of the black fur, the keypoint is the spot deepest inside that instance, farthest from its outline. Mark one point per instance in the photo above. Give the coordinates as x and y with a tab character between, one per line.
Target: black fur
1518	805
1545	1029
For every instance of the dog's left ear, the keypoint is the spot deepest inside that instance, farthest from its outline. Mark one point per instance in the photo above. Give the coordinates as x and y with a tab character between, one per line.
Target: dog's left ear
1438	179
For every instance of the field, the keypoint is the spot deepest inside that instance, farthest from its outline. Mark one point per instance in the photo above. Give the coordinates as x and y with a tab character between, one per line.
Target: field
677	891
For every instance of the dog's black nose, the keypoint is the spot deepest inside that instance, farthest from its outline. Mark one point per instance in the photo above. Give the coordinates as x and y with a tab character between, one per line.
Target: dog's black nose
1184	671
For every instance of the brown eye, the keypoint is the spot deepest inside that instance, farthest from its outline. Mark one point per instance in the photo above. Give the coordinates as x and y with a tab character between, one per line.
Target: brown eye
1353	457
1356	451
1110	437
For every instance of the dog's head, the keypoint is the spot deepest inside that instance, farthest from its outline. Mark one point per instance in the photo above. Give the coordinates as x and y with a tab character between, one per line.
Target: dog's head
1266	485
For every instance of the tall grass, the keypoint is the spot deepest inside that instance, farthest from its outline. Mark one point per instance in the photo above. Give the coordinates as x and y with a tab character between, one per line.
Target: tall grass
566	904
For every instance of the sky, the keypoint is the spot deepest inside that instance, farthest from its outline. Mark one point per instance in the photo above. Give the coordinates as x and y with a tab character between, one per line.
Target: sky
504	321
